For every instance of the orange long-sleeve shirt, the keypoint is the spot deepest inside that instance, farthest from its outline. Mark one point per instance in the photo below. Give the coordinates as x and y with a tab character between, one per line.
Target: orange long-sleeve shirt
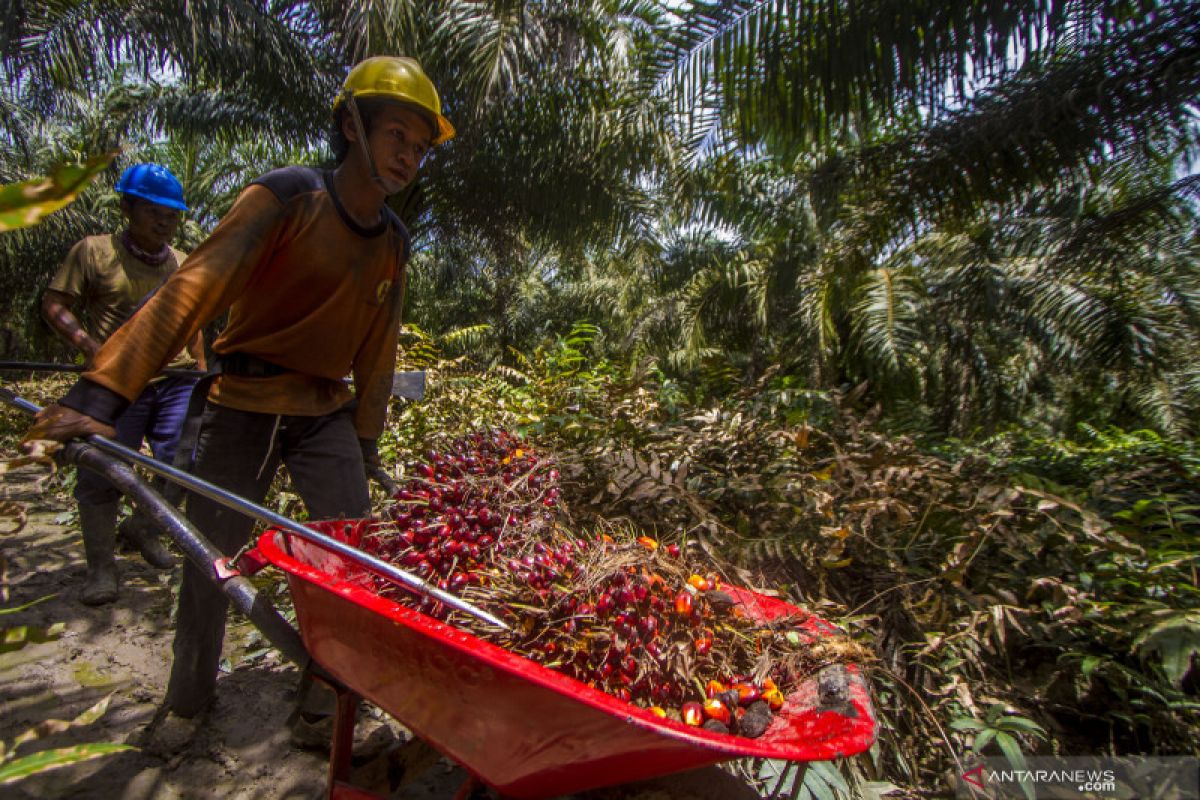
306	288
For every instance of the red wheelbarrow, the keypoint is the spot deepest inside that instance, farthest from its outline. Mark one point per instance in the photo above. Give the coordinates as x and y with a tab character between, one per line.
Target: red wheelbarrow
516	726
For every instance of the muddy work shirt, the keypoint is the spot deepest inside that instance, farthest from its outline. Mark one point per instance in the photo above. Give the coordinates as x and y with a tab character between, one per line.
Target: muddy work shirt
307	289
108	282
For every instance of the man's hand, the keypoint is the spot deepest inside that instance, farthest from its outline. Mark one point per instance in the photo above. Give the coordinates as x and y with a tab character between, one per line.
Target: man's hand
373	465
62	424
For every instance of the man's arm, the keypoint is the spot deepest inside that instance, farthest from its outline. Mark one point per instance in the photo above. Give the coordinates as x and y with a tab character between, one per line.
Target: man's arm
195	349
56	308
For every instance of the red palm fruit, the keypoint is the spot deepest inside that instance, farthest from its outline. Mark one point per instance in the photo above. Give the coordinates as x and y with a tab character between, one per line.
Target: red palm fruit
747	693
621	693
692	713
715	709
698	583
648	626
658	712
774	699
673	550
648	543
684	602
714	688
703	643
604	605
641	593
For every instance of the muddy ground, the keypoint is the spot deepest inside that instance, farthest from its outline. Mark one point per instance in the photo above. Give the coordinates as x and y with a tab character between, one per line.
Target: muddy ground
244	749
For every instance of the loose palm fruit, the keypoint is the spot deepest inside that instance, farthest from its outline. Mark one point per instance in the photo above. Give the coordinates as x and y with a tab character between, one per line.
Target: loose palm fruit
715	709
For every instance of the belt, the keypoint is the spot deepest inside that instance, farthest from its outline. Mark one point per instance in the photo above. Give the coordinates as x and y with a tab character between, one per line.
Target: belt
244	365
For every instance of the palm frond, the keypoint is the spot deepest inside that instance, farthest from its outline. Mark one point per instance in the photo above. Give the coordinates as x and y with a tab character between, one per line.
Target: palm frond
1100	102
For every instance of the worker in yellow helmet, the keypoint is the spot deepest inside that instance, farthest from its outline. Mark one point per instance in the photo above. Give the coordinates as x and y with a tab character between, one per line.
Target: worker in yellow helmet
310	264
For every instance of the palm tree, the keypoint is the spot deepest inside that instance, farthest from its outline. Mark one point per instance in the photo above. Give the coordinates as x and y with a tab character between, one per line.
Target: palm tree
883	151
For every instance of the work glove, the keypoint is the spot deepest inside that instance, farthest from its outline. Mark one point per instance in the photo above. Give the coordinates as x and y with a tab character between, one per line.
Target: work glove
373	465
62	424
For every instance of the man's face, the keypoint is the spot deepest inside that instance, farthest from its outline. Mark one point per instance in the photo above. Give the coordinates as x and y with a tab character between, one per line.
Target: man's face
399	140
150	224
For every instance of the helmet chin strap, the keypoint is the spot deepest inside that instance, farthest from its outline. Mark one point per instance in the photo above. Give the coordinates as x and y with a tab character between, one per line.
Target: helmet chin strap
387	186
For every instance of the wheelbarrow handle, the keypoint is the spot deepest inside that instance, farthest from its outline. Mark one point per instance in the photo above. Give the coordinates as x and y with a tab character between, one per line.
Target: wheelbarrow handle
232	501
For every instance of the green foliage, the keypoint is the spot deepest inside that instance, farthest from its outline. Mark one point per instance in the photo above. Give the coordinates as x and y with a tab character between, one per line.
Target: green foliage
24	204
1002	728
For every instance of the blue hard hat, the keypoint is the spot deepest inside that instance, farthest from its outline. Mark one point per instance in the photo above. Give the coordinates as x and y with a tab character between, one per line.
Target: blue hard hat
152	182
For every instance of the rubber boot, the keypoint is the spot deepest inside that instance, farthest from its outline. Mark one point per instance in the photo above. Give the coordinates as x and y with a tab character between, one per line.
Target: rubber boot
138	530
99	524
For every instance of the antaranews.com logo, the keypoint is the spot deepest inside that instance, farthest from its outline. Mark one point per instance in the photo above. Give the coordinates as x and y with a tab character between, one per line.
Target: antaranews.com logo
1102	778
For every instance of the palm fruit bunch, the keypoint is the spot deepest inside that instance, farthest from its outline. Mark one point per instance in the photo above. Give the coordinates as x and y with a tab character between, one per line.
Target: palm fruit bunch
616	610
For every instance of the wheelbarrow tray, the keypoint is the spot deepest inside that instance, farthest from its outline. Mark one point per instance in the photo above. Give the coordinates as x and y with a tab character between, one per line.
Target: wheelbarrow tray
517	726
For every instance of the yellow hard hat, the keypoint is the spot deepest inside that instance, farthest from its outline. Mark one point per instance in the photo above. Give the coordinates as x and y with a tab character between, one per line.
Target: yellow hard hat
401	79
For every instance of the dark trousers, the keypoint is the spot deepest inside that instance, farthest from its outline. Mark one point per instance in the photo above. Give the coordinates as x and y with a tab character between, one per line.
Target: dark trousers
157	417
240	452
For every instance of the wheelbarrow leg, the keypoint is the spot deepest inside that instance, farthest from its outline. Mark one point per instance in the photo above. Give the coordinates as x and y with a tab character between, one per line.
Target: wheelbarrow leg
469	788
342	747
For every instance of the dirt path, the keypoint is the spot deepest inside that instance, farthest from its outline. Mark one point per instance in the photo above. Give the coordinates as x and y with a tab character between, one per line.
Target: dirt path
244	751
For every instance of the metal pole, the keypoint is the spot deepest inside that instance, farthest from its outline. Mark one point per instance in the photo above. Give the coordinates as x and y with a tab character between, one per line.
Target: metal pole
50	366
407	385
219	495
